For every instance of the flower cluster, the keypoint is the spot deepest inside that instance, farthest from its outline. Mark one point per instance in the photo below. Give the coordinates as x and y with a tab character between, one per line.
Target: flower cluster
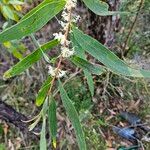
70	4
53	72
65	22
62	36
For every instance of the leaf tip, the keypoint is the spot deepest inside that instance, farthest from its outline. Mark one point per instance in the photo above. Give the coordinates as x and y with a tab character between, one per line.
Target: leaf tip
6	75
54	143
38	103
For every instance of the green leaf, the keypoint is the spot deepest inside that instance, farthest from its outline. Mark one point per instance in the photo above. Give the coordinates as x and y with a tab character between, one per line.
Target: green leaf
89	81
105	56
2	147
33	125
29	60
46	57
45	107
15	2
81	53
85	65
43	91
17	54
9	13
52	120
100	8
73	116
78	49
42	136
34	10
33	21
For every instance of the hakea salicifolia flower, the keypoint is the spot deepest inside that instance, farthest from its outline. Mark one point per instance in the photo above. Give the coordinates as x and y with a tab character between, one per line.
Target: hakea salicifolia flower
53	71
65	50
70	4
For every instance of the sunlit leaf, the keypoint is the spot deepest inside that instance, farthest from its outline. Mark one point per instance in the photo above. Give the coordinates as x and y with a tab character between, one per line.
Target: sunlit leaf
43	92
2	147
33	21
8	13
15	2
29	60
16	53
17	7
7	44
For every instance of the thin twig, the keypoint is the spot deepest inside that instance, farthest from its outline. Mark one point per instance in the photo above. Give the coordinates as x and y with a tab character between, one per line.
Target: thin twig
124	51
57	71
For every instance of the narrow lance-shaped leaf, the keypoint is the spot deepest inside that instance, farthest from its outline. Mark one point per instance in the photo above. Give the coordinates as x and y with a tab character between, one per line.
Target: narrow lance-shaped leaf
35	20
73	116
78	49
34	10
9	13
81	53
45	107
42	136
43	91
15	2
89	81
108	58
27	62
92	68
100	8
52	120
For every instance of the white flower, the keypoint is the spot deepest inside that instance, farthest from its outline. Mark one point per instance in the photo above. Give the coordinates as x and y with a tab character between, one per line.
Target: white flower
67	42
76	18
65	16
70	4
59	36
63	24
52	72
66	52
61	73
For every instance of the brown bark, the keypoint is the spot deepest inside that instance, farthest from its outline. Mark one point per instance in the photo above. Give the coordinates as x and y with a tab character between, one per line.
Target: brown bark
9	114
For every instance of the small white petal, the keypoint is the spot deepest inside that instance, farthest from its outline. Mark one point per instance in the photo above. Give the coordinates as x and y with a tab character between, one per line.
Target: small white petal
51	71
59	36
63	24
61	73
66	52
65	16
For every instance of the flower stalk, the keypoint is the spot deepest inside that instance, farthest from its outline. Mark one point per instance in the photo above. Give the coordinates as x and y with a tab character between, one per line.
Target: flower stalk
65	52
